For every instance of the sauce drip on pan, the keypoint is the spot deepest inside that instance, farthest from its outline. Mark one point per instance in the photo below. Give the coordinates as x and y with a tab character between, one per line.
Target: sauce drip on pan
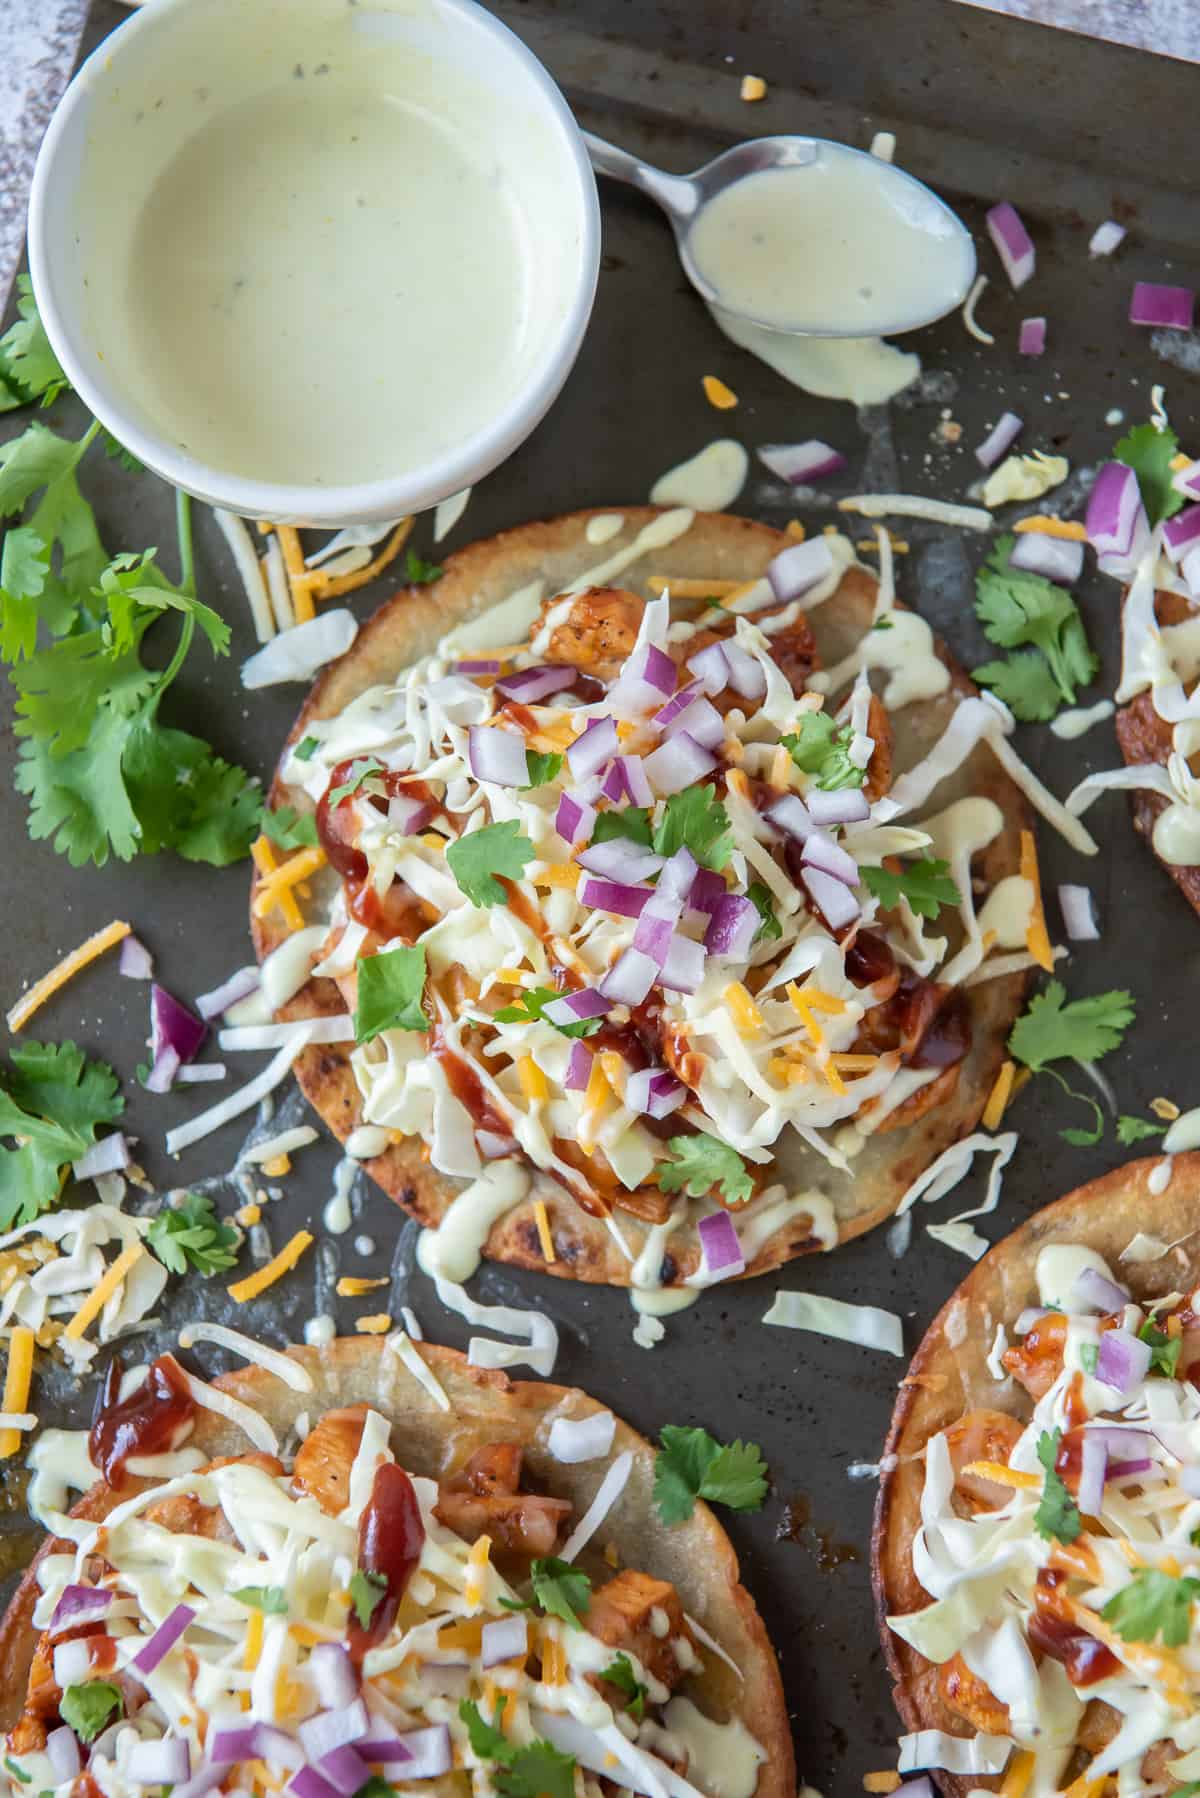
150	1421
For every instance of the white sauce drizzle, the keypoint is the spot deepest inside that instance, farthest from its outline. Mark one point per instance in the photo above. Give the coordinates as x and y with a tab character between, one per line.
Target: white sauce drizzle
287	967
709	481
336	1215
864	370
1059	1265
454	1249
604	527
1184	1133
1076	719
1160	1175
723	1758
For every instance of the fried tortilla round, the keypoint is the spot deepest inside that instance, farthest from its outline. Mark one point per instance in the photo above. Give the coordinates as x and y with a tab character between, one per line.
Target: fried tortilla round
950	1376
409	626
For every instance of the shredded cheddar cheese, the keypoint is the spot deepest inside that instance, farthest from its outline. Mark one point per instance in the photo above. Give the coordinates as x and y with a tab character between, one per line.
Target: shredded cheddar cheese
378	1324
563	874
1002	1475
249	1214
687	587
543	1230
18	1376
254	1639
1037	940
333	587
353	1286
533	1081
297	868
718	395
794	530
277	1167
257	1282
554	1662
1047	525
65	970
265	861
885	1781
1165	1109
477	1561
1019	1774
96	1300
999	1096
746	1015
753	88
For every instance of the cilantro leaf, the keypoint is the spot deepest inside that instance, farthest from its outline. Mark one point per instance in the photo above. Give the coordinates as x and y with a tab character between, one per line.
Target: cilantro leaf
306	749
190	1234
420	573
487	1741
633	822
536	1771
1089	1355
1085	1029
24	567
770	930
561	1590
391	985
1131	1129
376	1787
359	771
476	858
87	1709
532	1004
702	1163
29	369
696	818
1150	452
541	768
1017	608
270	1599
691	1464
288	827
218	809
1057	1514
1164	1350
1025	684
51	1101
366	1590
619	1673
1153	1604
821	747
925	884
18	1772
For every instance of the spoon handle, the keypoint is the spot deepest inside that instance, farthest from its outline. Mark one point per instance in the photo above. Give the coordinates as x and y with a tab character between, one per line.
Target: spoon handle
676	194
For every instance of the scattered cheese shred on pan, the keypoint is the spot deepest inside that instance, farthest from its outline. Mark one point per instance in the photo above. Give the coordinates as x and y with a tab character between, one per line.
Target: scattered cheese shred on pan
1047	525
886	1781
293	562
718	395
999	1096
794	530
1036	939
65	970
96	1300
316	582
17	1378
257	1282
543	1230
378	1324
753	88
353	1286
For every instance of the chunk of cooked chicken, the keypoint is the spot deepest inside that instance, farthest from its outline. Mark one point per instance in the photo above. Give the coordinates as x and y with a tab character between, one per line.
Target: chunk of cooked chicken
642	1616
598	632
967	1696
1036	1361
982	1436
483	1499
185	1515
324	1459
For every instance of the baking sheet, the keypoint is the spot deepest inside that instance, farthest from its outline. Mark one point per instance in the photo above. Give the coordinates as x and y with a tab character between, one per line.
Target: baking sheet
986	108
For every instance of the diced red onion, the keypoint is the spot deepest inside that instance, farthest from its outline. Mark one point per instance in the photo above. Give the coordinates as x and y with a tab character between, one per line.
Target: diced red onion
574	821
72	1660
1123	1470
837	903
706	892
820	851
657	669
654	1092
677	703
331	1729
702	722
163	1640
1156	304
1123	1361
719	1246
999	439
1117	526
710	667
800	462
430	1752
165	1762
595	746
407	814
1078	913
619	858
614	782
746	675
497	755
790	815
614	895
1106	238
799	567
163	1071
1031	339
334	1674
576	1008
1058	558
678	876
1014	246
388	1749
79	1604
636	785
62	1751
173	1026
678	763
1092	1468
1094	1288
846	805
683	969
208	1776
579	1068
136	961
531	684
630	978
733	927
108	1156
486	666
241	1744
1119	1440
345	1769
1182	532
505	1640
238	986
308	1783
655	933
1187	481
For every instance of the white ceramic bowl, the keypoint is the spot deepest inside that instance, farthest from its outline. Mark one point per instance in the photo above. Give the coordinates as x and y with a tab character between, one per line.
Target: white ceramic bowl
109	155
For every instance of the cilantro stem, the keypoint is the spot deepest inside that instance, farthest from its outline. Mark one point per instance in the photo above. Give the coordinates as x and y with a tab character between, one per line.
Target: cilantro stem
85	442
187	556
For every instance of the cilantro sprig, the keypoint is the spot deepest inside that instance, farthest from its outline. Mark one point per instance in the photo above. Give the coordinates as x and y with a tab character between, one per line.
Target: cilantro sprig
531	1005
701	1164
1057	1514
419	572
926	884
29	369
478	857
1132	1129
538	1770
271	1600
1164	1350
691	1464
391	986
770	929
821	747
1152	1605
190	1234
1020	609
1051	1029
697	820
619	1673
561	1590
52	1102
633	821
87	1709
364	769
1150	452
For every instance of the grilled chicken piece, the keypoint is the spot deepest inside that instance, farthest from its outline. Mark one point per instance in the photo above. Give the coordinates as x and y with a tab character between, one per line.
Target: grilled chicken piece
184	1514
323	1462
879	768
483	1499
622	1615
1036	1361
599	631
982	1436
967	1696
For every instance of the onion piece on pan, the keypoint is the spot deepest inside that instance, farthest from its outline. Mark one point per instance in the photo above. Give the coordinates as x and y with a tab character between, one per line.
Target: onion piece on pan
800	462
1002	435
1058	558
1014	246
1156	304
136	962
1078	913
1031	339
1106	238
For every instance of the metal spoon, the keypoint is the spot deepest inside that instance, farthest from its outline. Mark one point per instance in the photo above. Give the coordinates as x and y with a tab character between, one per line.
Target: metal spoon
683	197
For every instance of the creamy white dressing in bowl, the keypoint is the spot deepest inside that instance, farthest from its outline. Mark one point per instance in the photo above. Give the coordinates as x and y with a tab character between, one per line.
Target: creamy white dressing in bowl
315	260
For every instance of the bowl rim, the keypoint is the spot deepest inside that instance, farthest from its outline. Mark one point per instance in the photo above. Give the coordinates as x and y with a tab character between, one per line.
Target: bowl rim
391	496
